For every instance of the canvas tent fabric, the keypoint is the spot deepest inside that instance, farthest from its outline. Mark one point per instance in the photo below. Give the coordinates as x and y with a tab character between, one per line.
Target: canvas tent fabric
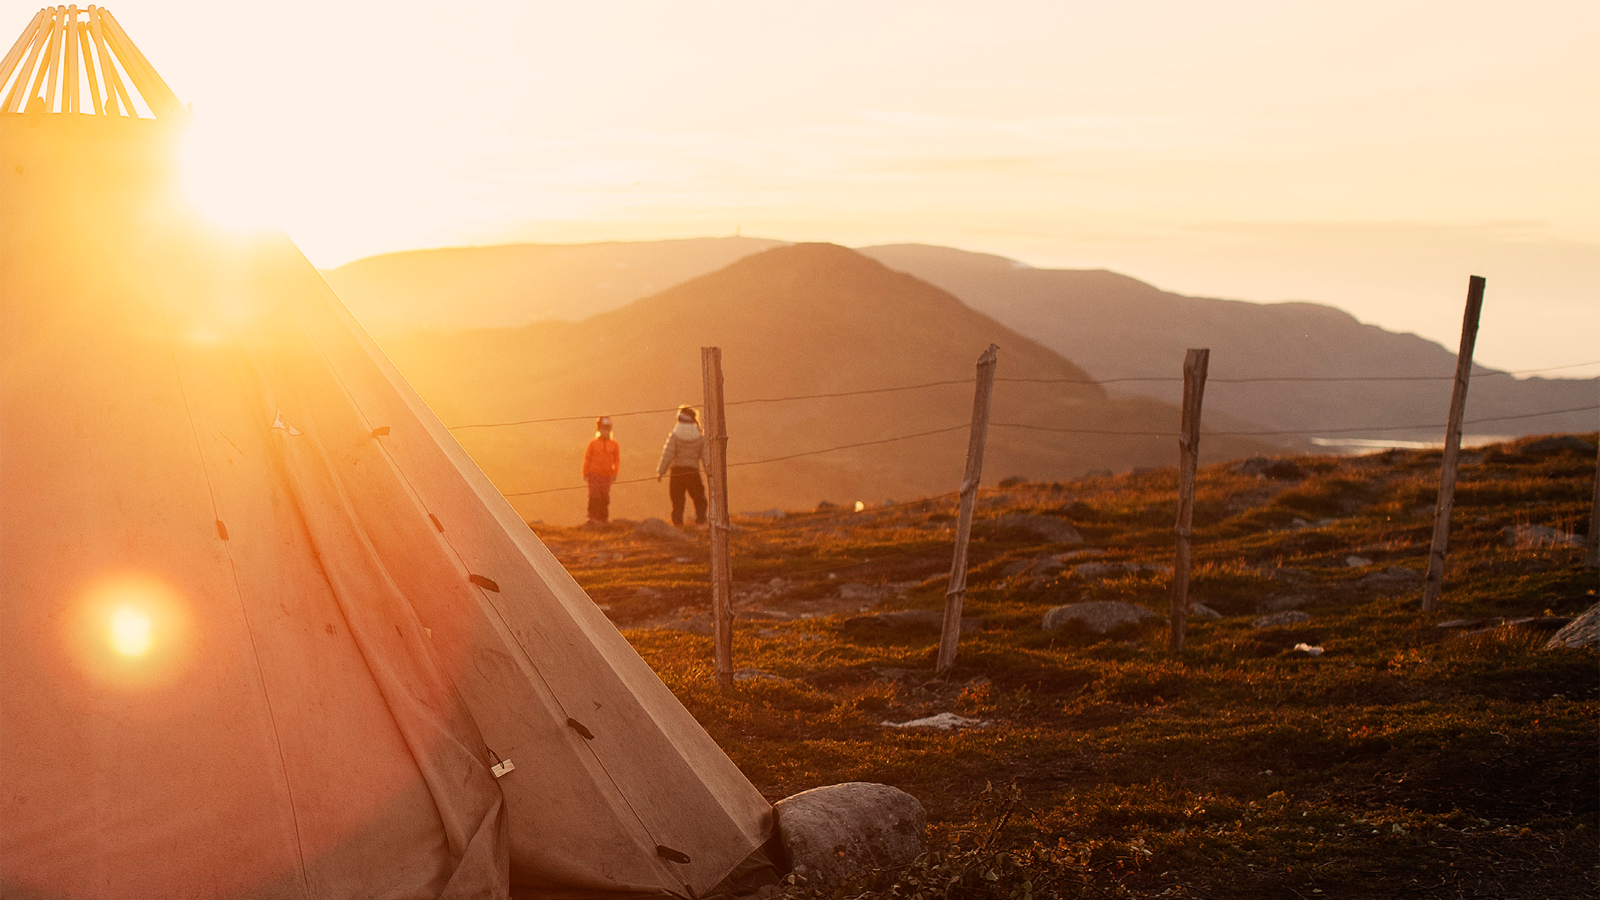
268	631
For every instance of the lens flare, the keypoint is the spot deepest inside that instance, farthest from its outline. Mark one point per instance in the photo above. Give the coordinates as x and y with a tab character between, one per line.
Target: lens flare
131	631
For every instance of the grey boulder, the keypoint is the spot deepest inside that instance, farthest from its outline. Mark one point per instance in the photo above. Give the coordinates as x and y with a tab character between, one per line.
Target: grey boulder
1099	616
1281	619
657	529
1584	631
1539	536
833	832
1564	443
1051	528
1095	571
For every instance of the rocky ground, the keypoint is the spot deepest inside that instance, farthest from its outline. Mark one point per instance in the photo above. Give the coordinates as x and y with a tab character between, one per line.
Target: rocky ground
1319	736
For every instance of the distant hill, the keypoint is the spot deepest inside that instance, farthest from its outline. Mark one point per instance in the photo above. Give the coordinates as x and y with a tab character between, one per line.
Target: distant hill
514	284
1117	327
802	319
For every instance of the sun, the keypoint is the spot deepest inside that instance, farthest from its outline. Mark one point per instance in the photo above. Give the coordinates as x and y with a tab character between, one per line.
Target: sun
223	176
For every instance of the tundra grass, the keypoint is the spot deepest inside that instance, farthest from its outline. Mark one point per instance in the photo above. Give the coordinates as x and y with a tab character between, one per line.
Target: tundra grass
1406	760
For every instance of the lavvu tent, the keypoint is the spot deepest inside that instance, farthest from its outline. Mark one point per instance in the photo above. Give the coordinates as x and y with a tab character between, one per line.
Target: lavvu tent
268	632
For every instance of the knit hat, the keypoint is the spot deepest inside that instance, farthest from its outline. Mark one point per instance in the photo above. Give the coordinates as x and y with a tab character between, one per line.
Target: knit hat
686	413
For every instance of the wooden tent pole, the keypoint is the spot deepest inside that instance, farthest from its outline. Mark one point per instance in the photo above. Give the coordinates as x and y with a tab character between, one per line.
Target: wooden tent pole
89	67
24	41
53	58
35	35
157	95
47	69
108	65
69	70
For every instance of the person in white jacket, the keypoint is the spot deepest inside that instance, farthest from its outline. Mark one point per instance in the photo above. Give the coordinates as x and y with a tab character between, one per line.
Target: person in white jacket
682	458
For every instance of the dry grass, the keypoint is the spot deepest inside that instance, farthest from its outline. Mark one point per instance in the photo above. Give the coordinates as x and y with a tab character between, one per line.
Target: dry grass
1407	760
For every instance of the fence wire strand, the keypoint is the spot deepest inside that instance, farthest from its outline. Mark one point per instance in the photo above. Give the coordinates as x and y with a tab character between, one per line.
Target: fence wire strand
1074	381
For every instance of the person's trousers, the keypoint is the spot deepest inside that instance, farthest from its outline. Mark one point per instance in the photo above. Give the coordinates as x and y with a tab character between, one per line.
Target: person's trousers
599	498
687	481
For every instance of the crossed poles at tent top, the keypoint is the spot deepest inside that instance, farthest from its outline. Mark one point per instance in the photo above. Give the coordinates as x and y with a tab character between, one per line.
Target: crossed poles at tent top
80	62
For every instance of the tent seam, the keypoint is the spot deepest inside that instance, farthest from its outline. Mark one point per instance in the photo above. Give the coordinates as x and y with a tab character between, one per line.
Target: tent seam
233	573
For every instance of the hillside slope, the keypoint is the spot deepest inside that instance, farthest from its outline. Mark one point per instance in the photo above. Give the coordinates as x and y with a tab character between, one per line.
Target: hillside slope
514	284
1411	756
1116	327
796	320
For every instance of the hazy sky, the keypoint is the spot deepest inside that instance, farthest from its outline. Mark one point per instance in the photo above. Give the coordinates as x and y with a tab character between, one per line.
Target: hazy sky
1366	154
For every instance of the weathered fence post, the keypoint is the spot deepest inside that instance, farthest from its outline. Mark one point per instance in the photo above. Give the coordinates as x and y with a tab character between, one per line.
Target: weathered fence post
1195	364
1592	560
957	591
1452	447
721	569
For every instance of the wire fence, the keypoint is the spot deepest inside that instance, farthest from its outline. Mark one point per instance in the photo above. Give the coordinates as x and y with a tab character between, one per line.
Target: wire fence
1331	379
1023	426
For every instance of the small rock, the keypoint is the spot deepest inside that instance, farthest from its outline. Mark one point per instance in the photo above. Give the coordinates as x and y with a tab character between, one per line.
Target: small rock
763	514
1391	575
944	721
1281	619
852	590
1565	443
1584	631
1261	467
1356	562
657	529
1539	536
1308	649
1052	529
830	833
1099	616
755	675
1202	611
1096	571
826	505
1464	623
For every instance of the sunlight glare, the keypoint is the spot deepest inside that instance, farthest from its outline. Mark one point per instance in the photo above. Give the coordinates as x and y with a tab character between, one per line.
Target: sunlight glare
131	632
221	172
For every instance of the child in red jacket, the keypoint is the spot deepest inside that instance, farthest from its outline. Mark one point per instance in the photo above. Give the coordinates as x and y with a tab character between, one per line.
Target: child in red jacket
600	465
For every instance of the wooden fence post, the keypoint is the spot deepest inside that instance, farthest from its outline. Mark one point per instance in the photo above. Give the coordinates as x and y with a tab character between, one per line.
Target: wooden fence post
721	569
1592	560
1452	447
1195	364
951	634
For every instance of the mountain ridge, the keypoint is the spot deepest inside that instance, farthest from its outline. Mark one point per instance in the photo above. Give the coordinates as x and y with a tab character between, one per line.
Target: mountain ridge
797	320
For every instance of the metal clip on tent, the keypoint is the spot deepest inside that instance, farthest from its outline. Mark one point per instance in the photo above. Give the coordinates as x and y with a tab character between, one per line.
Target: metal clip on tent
64	49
